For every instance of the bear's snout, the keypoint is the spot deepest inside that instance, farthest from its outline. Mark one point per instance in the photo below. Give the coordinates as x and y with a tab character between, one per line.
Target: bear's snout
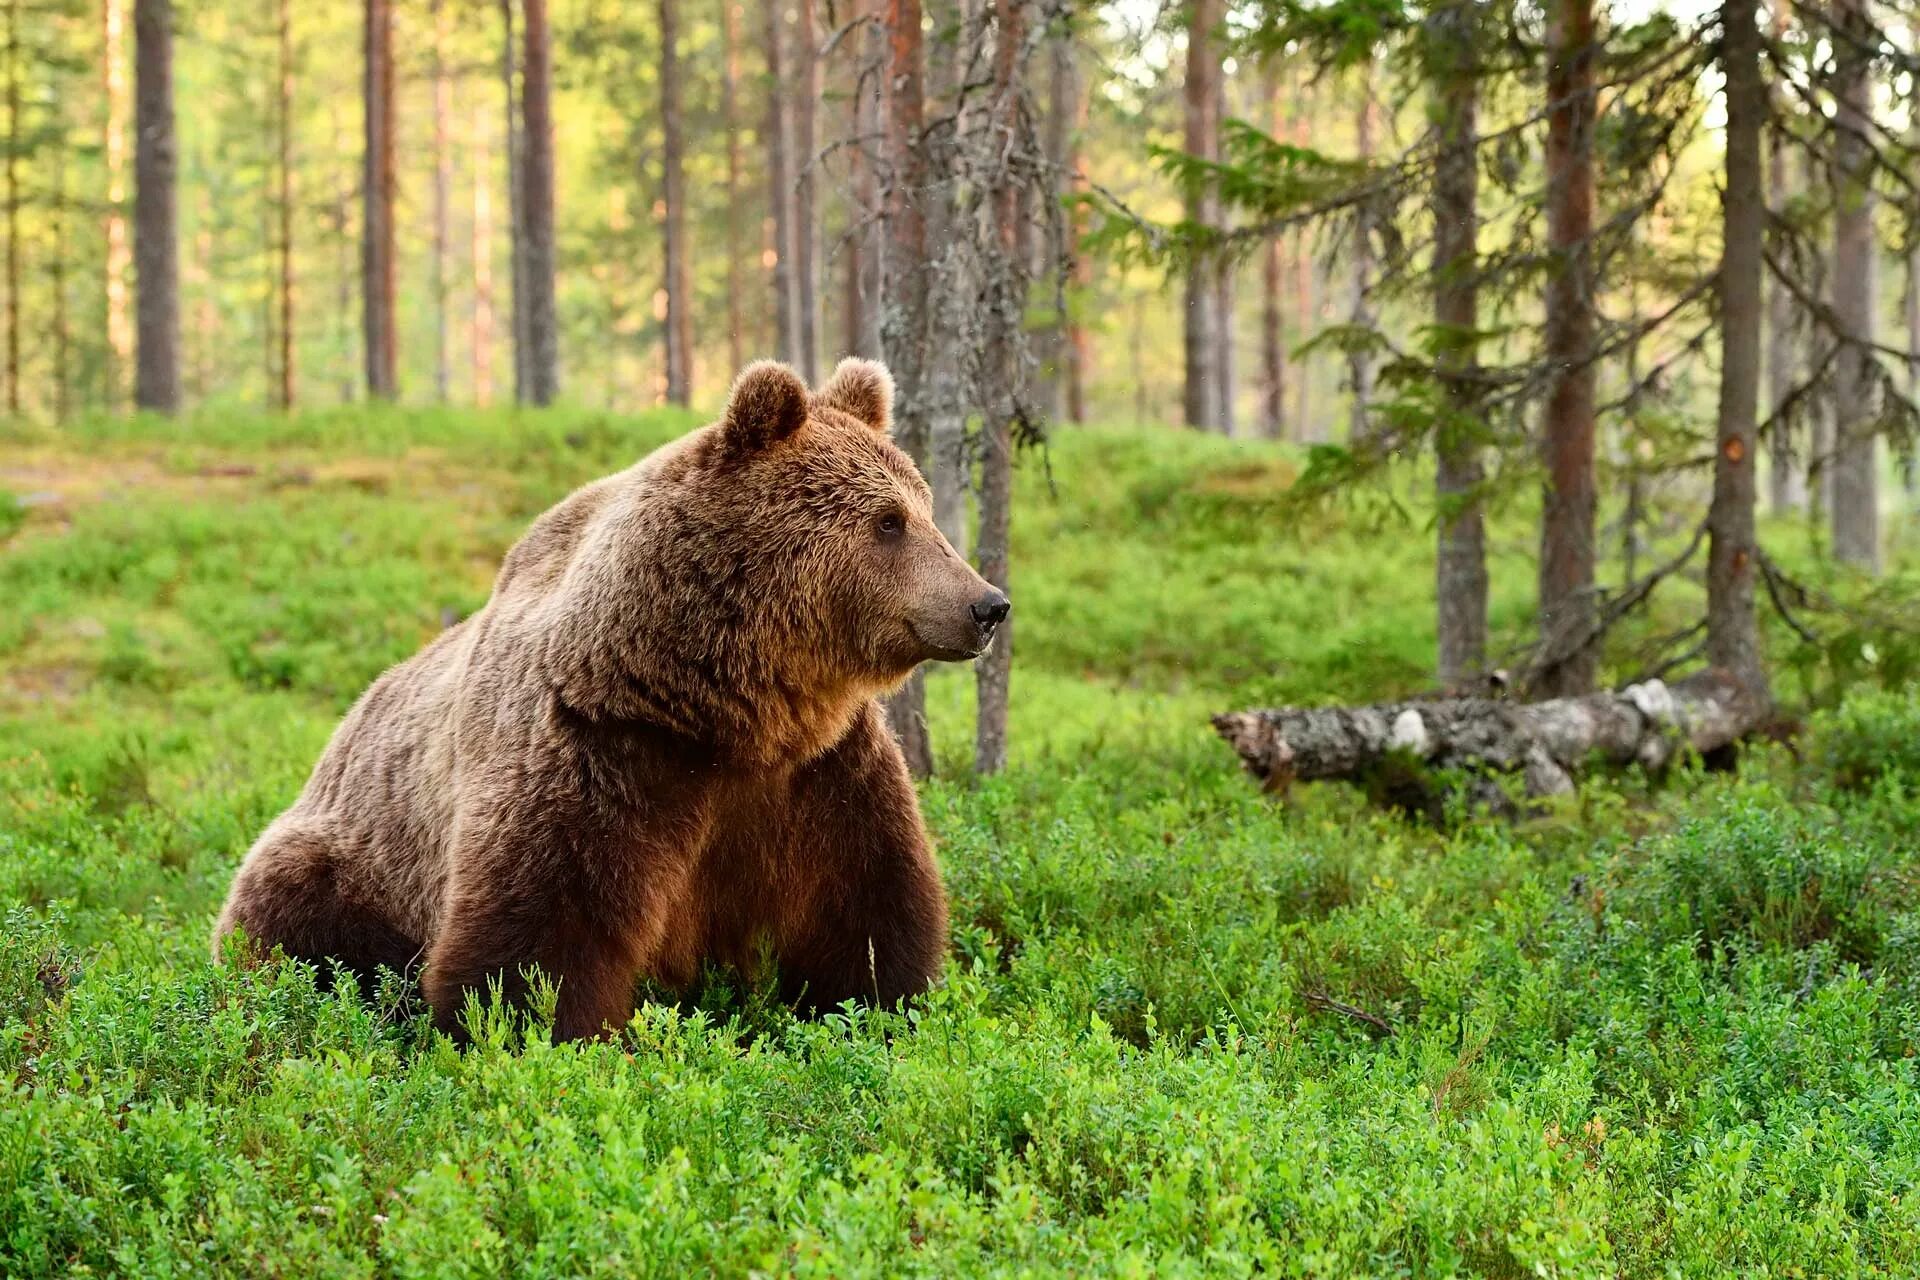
989	611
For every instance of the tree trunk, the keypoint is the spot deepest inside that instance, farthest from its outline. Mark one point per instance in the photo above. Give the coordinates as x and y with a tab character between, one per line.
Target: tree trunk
1785	475
1913	255
730	125
16	145
288	373
516	139
156	255
1305	273
536	172
1059	125
994	670
57	266
344	269
481	256
1360	359
1733	634
1856	488
904	327
1567	432
119	256
1461	569
442	200
377	275
786	319
673	199
1273	342
1078	353
806	271
1201	400
1547	743
1226	366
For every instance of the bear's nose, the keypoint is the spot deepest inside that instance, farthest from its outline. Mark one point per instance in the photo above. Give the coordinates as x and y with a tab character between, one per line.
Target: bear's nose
991	609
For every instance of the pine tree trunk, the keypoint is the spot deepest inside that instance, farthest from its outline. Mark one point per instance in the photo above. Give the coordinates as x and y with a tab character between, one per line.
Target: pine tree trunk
1226	330
119	255
16	145
536	172
730	124
1461	570
1856	488
806	271
673	198
442	201
377	267
1820	412
1360	360
480	254
516	138
1567	431
1912	300
1079	265
786	319
994	669
57	266
288	373
1304	272
904	328
1273	343
344	267
1733	634
1201	400
156	256
1786	484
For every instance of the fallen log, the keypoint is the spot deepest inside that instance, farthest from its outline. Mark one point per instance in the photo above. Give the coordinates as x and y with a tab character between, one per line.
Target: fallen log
1544	742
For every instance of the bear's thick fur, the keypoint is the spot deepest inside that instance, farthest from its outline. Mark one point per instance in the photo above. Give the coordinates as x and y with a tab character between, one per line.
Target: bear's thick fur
659	742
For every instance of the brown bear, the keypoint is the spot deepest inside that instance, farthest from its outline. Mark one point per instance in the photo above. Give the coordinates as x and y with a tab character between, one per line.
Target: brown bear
659	742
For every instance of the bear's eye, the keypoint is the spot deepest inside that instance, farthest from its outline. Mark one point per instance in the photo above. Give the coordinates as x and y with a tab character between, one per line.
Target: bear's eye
890	526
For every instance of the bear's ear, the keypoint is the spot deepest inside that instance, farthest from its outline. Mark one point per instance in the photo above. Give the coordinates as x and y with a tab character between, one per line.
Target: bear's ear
863	389
768	403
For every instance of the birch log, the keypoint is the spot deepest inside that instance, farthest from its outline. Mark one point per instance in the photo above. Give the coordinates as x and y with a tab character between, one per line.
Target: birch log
1545	742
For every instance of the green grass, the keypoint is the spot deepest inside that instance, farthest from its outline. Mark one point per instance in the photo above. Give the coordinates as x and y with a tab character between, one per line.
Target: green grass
1660	1030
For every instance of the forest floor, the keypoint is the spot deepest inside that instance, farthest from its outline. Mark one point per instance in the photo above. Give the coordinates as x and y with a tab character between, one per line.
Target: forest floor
1667	1027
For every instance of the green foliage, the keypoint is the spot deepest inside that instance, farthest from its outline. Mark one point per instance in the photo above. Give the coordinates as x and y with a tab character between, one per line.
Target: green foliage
1873	733
1185	1030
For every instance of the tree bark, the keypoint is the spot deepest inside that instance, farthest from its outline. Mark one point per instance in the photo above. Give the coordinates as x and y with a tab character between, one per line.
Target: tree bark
377	275
1078	354
288	373
1273	343
16	144
1856	487
1360	359
993	671
119	255
1461	568
904	327
1733	634
1785	474
442	200
516	203
730	124
156	254
481	255
543	324
786	319
1547	743
1201	400
806	272
1226	366
1304	273
673	198
1567	432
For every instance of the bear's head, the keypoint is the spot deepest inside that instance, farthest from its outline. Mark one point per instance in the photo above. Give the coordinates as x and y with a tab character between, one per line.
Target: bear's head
835	527
754	584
